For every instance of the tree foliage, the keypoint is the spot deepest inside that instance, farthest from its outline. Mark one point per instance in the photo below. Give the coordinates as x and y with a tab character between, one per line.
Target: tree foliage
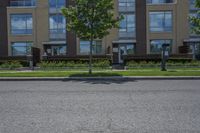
195	20
91	18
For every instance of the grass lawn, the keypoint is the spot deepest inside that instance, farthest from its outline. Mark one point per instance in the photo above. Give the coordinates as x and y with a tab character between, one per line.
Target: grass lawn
140	72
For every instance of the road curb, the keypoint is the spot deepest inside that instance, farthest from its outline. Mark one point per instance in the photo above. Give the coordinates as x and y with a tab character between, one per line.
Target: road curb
125	78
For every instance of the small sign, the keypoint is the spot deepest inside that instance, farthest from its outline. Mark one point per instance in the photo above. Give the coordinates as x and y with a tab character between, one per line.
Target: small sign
115	50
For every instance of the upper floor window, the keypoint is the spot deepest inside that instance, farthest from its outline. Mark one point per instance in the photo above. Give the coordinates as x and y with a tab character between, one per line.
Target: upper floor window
128	23
22	2
57	27
159	1
57	3
21	23
161	21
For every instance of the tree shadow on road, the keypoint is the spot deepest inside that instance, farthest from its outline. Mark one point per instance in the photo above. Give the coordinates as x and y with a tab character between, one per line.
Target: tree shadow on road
99	78
107	81
96	74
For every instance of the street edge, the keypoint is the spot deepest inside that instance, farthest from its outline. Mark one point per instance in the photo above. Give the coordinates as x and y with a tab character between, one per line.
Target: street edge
126	78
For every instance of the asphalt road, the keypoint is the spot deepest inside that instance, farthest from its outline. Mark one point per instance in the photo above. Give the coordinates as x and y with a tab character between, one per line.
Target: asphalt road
100	107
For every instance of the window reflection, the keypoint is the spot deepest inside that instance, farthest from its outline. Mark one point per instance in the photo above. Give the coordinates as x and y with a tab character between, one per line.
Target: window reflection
21	24
128	23
57	26
23	3
156	46
85	47
21	48
160	21
56	3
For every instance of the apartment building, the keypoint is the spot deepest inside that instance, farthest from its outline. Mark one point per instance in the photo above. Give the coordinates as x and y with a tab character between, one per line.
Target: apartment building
147	24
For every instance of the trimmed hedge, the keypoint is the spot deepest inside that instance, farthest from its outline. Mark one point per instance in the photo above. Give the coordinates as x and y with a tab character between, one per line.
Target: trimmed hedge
100	63
170	63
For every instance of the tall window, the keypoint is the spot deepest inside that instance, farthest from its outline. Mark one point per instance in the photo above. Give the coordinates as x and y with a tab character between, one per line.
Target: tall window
23	3
57	26
159	1
161	21
85	47
156	46
21	48
127	25
21	24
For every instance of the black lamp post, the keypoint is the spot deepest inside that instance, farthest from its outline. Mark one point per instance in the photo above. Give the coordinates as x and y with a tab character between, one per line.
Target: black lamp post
164	56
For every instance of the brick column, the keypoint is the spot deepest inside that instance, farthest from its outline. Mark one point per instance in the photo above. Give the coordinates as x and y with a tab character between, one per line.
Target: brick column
3	28
71	37
141	27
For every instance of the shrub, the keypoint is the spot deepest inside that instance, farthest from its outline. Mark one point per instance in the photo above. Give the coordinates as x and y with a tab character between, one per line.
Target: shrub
132	64
195	63
101	63
11	65
157	64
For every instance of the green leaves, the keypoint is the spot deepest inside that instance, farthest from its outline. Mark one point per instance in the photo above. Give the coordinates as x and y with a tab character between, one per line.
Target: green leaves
91	18
195	20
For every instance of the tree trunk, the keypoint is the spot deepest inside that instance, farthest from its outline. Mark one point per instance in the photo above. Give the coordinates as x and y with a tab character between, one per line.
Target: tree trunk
90	62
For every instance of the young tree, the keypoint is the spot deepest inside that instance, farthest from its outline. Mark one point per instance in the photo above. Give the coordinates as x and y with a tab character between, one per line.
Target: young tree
195	20
90	20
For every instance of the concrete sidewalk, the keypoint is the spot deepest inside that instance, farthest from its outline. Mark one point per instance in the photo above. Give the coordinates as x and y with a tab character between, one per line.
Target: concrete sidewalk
127	78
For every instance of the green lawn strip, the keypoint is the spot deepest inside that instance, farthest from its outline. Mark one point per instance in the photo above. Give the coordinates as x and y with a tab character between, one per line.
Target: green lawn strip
38	74
160	73
99	74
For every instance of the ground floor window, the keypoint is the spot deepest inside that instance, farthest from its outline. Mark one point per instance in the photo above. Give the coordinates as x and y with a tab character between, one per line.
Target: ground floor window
85	47
130	48
197	48
21	48
127	49
156	46
55	50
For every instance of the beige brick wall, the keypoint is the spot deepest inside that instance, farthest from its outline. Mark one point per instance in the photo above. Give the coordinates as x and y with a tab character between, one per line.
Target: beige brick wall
40	24
180	11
